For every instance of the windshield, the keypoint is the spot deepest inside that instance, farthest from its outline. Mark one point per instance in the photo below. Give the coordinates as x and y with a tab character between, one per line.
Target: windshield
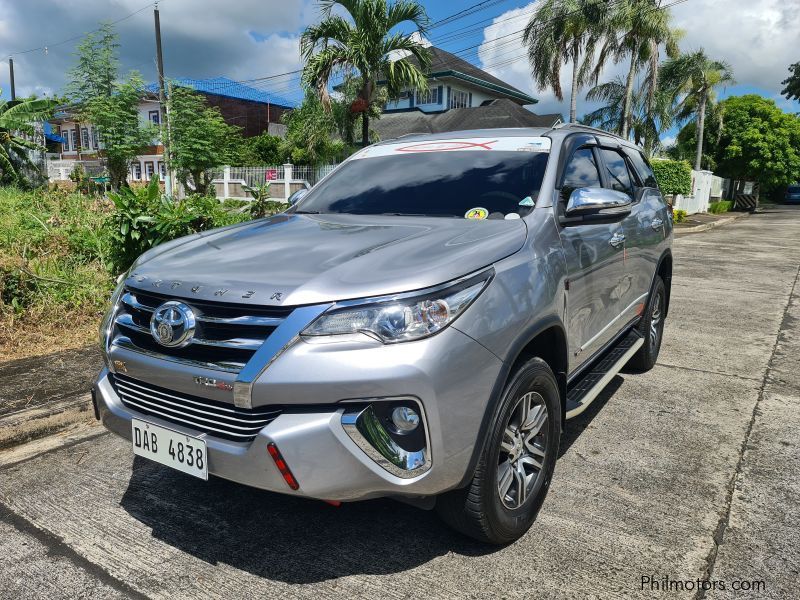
492	184
794	189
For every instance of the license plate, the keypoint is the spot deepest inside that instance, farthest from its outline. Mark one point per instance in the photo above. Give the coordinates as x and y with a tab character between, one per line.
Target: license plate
177	450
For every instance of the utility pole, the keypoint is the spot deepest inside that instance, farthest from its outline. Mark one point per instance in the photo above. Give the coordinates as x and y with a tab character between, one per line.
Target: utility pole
162	104
11	76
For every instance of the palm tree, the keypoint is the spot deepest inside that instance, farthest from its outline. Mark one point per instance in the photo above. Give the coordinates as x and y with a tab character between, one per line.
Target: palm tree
365	44
645	119
562	32
16	120
644	28
695	76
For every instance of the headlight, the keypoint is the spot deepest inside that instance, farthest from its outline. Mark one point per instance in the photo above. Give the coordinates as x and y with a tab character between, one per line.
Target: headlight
404	317
106	323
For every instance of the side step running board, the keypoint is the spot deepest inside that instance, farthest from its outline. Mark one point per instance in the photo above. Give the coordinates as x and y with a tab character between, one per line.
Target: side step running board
588	387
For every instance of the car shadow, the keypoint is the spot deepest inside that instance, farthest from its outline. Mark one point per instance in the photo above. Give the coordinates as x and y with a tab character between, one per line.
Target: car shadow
576	426
285	538
295	540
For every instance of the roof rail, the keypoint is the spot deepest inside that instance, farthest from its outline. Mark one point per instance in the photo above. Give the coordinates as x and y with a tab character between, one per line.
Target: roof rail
583	128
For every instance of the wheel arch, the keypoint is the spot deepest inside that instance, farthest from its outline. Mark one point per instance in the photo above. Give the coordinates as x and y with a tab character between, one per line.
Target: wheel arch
547	339
664	270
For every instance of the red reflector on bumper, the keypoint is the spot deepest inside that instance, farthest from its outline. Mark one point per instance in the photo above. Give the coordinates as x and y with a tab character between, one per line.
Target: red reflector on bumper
282	466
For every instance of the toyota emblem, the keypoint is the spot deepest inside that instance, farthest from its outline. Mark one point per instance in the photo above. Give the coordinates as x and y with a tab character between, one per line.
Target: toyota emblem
172	324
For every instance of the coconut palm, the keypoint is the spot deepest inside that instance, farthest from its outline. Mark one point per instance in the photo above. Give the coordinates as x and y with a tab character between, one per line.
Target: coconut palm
643	28
565	32
694	77
646	120
17	119
363	43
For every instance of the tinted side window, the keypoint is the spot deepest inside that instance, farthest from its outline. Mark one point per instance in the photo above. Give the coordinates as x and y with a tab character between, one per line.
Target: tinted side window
581	171
617	169
644	170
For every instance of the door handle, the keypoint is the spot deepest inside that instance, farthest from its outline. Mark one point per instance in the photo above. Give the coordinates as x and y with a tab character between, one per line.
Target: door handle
617	240
656	224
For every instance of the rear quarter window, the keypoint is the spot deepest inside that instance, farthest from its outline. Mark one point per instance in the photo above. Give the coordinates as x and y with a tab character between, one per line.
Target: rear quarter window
643	169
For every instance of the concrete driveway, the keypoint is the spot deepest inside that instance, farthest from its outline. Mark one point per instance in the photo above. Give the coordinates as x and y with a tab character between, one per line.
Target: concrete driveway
689	472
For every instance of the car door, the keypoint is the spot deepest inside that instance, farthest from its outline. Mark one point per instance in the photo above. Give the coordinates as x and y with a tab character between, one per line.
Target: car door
645	227
594	252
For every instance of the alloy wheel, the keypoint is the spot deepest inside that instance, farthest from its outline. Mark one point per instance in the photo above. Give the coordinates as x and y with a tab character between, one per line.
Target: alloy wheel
522	450
656	323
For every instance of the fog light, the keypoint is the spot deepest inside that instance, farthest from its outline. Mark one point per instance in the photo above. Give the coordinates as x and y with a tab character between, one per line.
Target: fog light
405	419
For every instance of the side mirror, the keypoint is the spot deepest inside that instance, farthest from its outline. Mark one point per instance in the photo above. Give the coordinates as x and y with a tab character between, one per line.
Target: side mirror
597	203
297	196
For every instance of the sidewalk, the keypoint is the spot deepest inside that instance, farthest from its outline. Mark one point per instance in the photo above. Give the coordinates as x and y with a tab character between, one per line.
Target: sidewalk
45	394
704	221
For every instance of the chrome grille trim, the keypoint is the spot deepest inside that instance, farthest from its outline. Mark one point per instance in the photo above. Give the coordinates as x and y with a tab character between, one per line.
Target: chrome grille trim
227	336
175	407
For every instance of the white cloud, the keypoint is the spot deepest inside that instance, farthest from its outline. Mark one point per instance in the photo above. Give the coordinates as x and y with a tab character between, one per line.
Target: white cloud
201	38
757	37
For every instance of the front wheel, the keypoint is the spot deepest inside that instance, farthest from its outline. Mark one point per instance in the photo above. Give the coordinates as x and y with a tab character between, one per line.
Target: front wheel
514	470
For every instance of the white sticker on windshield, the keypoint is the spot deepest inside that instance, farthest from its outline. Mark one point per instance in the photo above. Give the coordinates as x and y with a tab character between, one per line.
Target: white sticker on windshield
509	143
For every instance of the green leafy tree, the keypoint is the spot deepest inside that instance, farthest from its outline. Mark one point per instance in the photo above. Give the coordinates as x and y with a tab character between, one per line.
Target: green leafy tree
200	138
264	149
310	131
758	142
362	43
636	30
695	76
792	83
17	120
564	32
112	107
685	146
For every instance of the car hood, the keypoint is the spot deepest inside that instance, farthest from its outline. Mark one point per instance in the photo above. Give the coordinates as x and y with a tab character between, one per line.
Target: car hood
292	259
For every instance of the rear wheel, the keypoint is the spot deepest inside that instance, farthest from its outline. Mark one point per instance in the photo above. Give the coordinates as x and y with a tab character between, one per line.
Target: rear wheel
514	471
652	328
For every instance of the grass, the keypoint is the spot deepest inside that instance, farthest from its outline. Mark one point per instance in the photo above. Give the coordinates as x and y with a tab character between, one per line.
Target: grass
720	207
59	252
54	283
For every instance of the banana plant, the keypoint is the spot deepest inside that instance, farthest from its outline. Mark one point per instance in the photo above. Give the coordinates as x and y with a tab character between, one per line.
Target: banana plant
17	119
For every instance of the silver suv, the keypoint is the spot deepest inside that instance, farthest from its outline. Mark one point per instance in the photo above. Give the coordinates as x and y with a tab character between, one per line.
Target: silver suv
420	325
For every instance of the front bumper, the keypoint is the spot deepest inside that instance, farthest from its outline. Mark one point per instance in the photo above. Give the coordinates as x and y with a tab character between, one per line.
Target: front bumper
450	375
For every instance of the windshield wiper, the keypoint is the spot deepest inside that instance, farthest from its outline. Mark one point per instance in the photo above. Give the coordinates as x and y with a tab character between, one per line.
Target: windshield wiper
305	212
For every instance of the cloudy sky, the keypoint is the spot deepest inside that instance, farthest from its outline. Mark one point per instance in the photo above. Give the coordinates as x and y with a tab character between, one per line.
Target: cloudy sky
258	39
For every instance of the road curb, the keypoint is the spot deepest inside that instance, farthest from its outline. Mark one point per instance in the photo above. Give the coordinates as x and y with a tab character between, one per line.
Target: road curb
40	421
712	225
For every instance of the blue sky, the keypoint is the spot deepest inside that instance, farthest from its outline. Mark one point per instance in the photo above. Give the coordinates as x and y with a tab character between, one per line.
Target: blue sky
253	39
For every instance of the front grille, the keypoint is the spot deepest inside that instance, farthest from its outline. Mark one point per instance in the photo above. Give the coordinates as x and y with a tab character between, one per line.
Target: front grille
226	336
207	416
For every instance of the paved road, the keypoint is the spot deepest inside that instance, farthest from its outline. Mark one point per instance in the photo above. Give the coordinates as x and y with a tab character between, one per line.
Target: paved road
689	471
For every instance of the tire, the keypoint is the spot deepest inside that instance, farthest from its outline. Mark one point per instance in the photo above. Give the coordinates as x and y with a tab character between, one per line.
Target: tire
478	510
652	328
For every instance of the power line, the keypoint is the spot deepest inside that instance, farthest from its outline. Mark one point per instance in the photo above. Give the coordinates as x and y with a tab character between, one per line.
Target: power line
46	47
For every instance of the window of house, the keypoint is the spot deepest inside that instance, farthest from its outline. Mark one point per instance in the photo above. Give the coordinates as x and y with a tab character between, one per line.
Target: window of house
95	138
581	171
459	99
154	116
85	138
404	95
136	171
73	134
162	169
429	96
65	137
617	170
149	169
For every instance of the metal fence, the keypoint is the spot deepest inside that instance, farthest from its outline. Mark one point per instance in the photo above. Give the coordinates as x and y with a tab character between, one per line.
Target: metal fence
233	182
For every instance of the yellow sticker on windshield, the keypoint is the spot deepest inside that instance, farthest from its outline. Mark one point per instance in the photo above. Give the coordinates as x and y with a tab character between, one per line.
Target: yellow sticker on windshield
476	213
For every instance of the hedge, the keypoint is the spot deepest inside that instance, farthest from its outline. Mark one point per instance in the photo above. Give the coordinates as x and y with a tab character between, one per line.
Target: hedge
673	176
